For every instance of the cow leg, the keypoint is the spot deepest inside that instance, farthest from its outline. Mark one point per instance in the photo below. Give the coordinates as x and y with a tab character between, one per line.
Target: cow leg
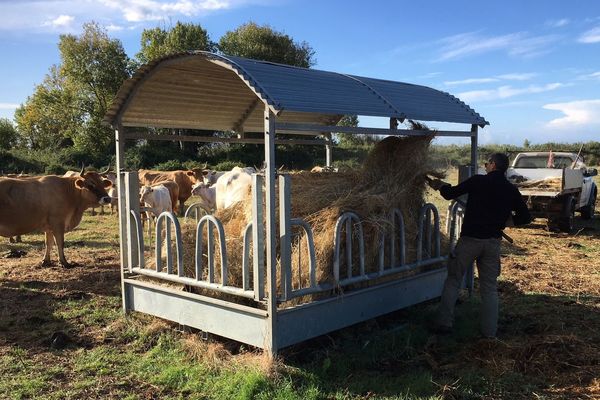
59	238
101	210
18	239
93	211
49	242
181	207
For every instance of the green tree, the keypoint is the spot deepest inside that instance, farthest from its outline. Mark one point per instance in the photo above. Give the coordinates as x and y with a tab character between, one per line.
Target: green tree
46	118
263	43
348	139
526	143
68	107
94	67
158	42
8	134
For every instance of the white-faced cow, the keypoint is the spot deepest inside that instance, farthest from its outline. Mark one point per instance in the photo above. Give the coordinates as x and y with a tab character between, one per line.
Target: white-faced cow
229	189
157	199
113	193
52	204
184	180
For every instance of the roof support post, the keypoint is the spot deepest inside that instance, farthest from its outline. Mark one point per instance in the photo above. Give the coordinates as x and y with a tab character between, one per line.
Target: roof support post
271	328
328	149
393	123
473	149
123	214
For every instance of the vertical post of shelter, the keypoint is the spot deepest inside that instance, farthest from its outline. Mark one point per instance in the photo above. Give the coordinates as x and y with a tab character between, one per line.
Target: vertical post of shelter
328	149
132	203
394	123
123	215
270	336
473	149
285	235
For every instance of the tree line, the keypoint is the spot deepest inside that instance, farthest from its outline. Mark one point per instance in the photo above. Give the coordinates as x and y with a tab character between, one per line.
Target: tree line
60	127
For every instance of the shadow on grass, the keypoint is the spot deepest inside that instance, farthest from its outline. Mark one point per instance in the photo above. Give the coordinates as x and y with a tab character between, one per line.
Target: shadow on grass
35	308
547	344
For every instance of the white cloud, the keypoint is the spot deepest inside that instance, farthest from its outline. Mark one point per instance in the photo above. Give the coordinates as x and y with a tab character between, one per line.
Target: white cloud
591	36
504	92
515	44
60	22
151	10
8	106
114	28
592	76
517	77
508	77
470	81
581	112
558	23
62	15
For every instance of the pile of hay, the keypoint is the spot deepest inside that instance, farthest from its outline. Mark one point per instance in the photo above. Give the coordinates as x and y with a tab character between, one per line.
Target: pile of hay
393	176
547	184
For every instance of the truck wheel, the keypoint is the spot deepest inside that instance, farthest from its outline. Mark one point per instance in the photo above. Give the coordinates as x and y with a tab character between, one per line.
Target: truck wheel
587	212
567	215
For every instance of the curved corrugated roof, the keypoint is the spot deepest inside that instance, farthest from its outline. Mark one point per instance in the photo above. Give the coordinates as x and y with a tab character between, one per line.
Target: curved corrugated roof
208	91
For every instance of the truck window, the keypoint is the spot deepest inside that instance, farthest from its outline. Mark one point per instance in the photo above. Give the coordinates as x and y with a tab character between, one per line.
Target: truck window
542	162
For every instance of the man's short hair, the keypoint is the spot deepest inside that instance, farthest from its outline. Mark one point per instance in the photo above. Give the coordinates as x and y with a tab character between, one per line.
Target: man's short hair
501	161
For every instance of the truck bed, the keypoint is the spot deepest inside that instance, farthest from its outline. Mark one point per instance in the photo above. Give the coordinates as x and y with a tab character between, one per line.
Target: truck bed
570	181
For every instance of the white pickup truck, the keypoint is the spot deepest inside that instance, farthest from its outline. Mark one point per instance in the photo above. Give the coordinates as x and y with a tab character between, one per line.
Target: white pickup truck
555	185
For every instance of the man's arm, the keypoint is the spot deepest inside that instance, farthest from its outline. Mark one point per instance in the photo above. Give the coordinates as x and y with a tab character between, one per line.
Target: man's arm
450	192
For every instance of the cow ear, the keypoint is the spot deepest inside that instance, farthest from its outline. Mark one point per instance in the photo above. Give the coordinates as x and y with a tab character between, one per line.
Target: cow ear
206	172
80	183
106	183
189	173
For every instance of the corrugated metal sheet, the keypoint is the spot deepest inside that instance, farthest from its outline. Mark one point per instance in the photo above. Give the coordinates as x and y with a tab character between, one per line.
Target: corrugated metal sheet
208	91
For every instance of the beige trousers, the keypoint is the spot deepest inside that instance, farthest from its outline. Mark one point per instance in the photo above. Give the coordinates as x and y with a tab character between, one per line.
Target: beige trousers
487	254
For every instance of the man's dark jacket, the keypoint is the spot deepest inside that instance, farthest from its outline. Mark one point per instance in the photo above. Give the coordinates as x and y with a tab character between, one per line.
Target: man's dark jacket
492	199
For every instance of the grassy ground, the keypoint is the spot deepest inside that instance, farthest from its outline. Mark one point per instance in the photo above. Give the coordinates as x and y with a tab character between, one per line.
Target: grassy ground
63	336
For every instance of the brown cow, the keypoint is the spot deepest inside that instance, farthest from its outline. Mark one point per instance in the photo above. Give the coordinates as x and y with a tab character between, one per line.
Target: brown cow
184	180
52	204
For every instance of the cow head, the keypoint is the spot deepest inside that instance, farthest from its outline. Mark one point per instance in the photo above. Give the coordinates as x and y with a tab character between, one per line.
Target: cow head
145	191
196	175
199	188
93	187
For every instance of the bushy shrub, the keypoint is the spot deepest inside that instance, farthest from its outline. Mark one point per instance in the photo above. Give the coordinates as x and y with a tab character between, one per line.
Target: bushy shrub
57	169
228	165
170	165
16	163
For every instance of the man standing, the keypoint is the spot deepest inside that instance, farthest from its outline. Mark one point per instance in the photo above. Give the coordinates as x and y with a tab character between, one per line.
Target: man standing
492	201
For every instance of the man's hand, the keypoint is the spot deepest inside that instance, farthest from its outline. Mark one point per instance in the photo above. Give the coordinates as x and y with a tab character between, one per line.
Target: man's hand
436	184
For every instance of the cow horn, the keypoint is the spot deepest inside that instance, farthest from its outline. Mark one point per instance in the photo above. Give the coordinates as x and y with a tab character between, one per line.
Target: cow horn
105	171
205	165
82	169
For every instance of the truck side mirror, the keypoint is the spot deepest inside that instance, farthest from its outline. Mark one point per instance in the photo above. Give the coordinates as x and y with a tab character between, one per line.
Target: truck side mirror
591	172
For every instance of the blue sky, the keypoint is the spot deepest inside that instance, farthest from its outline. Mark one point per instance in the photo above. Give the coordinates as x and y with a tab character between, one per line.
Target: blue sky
530	67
